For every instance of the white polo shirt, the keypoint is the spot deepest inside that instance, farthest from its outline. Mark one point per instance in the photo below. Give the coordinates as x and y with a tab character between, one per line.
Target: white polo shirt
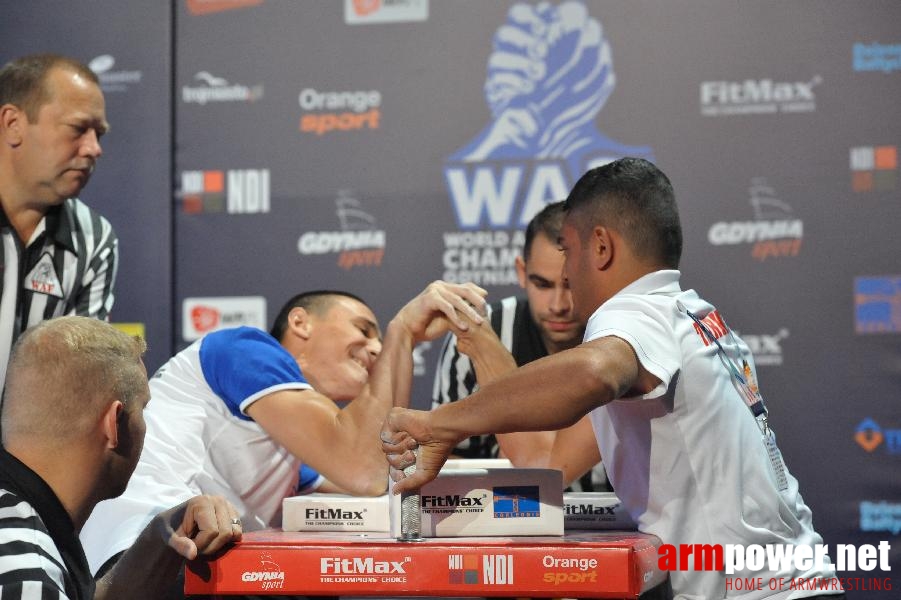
200	440
688	459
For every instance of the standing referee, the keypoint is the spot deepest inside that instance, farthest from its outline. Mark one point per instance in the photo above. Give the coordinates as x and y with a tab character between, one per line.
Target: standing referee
58	256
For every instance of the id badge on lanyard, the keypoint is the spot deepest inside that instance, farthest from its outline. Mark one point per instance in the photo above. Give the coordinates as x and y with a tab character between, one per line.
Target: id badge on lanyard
743	380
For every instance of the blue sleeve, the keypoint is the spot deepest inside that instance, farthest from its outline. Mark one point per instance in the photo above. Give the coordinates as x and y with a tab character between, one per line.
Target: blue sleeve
243	364
309	480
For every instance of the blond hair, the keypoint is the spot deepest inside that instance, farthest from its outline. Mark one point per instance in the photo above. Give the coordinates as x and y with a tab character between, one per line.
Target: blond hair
64	372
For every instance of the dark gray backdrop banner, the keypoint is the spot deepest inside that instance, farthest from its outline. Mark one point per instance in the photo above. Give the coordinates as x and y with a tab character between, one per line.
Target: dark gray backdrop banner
318	146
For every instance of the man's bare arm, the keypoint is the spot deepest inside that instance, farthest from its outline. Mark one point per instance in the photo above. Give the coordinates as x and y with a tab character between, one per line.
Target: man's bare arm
201	526
553	392
343	445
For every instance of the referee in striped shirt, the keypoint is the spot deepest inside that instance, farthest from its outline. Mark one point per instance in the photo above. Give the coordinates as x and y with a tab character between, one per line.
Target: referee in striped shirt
58	256
524	329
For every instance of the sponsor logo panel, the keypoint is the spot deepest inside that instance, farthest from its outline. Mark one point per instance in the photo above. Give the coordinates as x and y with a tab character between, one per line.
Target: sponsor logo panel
563	570
211	88
880	516
111	79
874	168
233	191
766	347
774	232
325	112
884	58
363	569
870	436
363	12
453	503
516	501
480	569
877	304
269	575
543	134
201	316
358	242
758	97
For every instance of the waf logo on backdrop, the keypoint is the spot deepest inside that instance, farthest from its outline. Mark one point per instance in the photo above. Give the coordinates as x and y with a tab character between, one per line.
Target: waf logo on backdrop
235	191
870	436
874	168
217	89
480	569
205	7
363	12
330	111
877	304
359	243
269	575
113	80
774	232
550	73
758	97
201	316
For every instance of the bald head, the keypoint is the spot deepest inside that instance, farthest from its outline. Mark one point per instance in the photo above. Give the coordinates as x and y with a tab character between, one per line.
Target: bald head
62	375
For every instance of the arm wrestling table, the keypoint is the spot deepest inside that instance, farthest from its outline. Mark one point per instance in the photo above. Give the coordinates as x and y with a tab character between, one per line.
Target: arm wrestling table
580	564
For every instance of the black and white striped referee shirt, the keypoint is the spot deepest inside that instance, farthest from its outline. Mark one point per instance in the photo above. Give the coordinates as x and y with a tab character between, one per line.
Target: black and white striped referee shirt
456	377
68	268
41	557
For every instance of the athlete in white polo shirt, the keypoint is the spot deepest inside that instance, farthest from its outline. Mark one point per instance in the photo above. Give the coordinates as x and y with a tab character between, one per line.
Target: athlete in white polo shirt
671	391
237	412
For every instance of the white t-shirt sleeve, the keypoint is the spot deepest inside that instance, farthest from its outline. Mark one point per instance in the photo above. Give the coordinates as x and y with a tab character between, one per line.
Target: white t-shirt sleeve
642	327
244	364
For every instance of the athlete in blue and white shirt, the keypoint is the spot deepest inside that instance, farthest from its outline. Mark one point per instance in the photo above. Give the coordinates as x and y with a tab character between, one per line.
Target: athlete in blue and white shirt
237	412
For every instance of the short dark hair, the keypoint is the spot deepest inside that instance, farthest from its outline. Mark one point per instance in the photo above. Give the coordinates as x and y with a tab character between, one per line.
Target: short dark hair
635	198
316	302
23	80
548	222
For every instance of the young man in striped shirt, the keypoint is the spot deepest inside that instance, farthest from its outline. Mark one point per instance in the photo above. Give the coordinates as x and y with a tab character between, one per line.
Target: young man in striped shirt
58	256
522	329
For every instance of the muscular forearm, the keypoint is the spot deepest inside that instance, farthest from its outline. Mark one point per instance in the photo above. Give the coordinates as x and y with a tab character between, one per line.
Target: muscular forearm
148	570
389	386
393	373
550	393
491	361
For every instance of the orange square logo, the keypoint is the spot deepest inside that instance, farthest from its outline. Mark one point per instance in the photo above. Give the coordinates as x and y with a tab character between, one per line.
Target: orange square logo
886	157
213	181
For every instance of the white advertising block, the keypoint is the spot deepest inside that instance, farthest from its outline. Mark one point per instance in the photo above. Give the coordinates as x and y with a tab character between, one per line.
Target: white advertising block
488	502
595	510
335	512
